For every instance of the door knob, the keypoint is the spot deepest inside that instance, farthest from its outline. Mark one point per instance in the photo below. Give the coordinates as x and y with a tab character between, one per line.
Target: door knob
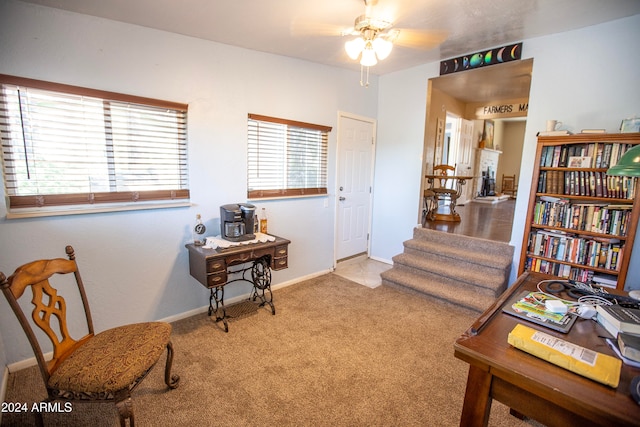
342	198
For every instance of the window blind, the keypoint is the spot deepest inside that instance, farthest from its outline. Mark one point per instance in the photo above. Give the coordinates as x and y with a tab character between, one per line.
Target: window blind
286	158
65	145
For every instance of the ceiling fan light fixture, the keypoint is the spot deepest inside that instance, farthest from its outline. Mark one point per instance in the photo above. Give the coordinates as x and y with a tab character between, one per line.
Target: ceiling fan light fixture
382	47
368	56
354	47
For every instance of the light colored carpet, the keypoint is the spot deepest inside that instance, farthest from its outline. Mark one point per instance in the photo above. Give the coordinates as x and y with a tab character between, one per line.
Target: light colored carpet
335	354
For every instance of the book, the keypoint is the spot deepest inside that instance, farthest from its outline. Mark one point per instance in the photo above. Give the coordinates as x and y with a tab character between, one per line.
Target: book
607	280
553	133
629	345
606	324
622	319
593	131
579	162
530	306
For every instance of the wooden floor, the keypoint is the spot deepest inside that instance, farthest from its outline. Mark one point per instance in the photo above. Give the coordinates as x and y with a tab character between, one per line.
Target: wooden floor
487	221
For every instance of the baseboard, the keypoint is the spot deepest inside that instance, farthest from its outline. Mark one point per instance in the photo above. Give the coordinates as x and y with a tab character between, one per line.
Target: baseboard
301	279
27	363
384	260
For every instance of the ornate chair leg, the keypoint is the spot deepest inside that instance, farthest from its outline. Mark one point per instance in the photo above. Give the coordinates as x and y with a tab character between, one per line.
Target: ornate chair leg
171	380
124	404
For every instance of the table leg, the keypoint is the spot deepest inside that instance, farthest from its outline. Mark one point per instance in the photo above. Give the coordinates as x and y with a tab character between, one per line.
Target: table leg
261	279
217	295
477	398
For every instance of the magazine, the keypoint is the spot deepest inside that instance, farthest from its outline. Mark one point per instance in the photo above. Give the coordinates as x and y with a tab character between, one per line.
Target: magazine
530	306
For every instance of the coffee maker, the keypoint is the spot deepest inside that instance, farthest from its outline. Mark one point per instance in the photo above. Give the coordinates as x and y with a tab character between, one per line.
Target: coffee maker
237	221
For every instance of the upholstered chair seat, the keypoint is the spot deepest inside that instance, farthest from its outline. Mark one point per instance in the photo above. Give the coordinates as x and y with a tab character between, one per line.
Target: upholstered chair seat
112	360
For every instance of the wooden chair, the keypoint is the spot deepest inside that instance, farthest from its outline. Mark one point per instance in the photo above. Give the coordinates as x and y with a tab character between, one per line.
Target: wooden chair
445	190
509	185
102	367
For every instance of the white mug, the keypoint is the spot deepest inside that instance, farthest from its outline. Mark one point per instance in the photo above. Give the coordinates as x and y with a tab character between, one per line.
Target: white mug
553	125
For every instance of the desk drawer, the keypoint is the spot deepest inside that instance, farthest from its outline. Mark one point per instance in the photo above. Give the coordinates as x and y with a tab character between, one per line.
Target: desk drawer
281	251
280	263
238	258
258	253
216	279
215	265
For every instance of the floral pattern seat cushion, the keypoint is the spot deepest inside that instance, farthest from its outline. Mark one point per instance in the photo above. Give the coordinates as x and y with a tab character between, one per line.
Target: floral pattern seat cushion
113	359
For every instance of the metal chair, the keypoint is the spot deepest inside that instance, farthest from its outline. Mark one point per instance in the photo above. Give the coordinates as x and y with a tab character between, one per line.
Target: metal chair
96	367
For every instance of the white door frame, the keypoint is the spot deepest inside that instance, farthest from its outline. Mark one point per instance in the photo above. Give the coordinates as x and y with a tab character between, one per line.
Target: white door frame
373	122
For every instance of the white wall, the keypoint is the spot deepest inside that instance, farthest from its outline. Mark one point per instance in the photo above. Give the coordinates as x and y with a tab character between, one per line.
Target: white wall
401	117
134	264
586	78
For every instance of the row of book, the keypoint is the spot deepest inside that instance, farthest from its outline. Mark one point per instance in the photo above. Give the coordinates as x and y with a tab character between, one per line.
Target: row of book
590	155
576	250
565	271
624	324
587	183
592	217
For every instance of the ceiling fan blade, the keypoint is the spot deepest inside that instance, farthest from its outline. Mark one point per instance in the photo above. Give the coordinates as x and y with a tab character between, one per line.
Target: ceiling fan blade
301	28
420	39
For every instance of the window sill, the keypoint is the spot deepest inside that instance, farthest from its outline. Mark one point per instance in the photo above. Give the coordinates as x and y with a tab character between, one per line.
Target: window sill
91	209
304	196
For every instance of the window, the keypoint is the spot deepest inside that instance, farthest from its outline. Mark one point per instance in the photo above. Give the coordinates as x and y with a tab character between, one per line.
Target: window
286	158
70	146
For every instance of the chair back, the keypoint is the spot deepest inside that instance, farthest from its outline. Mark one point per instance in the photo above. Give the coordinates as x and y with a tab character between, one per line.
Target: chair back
509	184
444	171
50	310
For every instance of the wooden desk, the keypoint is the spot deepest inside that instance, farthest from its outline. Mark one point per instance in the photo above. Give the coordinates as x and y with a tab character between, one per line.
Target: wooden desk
431	212
529	385
212	267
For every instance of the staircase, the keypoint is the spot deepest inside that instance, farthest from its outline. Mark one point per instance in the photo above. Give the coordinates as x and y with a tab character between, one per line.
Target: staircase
462	270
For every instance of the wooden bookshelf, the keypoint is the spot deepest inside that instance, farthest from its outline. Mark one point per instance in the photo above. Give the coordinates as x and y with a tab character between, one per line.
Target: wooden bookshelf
581	223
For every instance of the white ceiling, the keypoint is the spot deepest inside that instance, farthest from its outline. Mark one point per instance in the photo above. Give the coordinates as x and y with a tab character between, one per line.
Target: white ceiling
310	29
278	26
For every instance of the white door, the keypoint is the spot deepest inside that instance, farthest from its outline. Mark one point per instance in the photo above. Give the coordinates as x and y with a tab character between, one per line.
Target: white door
464	159
353	205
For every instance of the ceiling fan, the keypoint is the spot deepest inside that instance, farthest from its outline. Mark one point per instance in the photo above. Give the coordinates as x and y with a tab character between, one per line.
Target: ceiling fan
375	36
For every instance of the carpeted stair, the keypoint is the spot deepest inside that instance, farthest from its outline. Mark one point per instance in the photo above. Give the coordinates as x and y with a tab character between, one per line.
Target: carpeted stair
463	270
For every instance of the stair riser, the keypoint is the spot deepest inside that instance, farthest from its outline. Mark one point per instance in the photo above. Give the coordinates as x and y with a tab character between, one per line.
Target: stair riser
487	277
446	286
495	260
465	242
474	302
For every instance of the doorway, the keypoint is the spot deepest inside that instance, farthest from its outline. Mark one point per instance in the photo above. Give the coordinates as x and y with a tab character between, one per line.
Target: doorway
355	156
458	149
465	95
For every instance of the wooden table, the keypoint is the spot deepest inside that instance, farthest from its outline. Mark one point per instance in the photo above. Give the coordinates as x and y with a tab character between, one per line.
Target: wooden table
535	388
212	268
431	212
